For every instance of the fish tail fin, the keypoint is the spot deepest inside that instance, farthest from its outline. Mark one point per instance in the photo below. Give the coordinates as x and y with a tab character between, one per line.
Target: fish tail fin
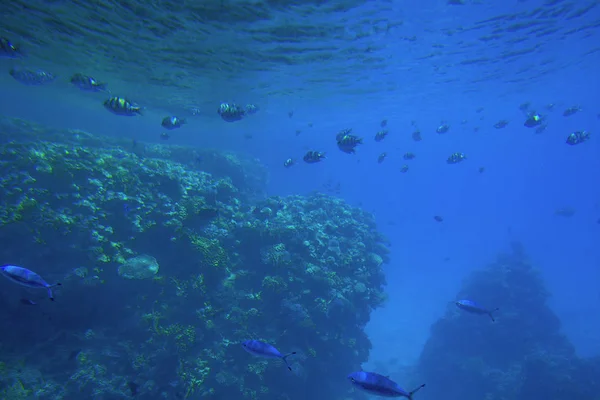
50	295
183	121
491	314
284	358
412	392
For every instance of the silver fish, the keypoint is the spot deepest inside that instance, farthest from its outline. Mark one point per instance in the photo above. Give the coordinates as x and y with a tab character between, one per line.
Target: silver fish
474	308
27	278
265	350
379	385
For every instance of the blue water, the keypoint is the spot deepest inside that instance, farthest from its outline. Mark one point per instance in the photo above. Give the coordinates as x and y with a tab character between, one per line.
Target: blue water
527	176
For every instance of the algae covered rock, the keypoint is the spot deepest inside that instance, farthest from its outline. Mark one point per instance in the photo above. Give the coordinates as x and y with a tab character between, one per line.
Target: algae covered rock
140	267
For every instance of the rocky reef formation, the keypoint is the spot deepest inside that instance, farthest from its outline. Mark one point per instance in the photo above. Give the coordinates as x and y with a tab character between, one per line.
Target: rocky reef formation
101	215
521	356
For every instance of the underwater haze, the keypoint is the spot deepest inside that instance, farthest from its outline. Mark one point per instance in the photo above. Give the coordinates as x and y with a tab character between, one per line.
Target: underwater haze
283	200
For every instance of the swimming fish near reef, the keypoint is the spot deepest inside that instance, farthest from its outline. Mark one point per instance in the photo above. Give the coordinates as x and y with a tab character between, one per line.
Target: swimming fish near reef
27	278
172	122
32	77
122	106
379	385
87	83
472	307
265	350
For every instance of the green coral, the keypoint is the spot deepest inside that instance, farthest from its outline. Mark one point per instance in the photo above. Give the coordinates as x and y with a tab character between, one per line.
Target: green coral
211	252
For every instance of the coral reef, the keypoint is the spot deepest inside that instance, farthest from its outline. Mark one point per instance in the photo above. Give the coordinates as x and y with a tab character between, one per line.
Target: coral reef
302	273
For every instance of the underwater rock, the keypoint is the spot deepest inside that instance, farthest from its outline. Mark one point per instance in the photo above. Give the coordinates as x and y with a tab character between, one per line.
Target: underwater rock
140	267
520	355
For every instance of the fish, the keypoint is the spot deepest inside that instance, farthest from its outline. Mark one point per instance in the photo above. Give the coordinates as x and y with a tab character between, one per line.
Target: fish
379	136
379	385
87	83
381	157
416	136
472	307
501	124
265	350
312	157
443	128
577	137
455	158
348	143
231	112
32	77
28	302
122	106
27	278
565	212
251	109
9	50
438	218
533	119
289	162
571	111
172	122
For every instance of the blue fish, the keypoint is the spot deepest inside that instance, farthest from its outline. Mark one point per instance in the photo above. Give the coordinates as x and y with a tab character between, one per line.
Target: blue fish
379	385
27	278
474	308
265	350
